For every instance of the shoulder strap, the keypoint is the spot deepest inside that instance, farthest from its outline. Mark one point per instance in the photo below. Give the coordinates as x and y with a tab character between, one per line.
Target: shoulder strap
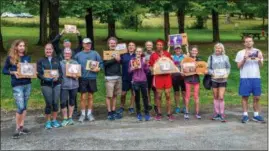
211	62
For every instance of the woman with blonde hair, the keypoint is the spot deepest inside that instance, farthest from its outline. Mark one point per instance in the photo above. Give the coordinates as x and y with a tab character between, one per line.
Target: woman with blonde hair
21	86
50	84
219	68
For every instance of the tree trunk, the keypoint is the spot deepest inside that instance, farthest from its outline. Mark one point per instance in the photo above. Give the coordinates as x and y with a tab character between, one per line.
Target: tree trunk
215	25
89	26
53	18
251	16
246	16
166	25
43	22
136	23
199	22
2	49
111	25
180	20
239	16
263	21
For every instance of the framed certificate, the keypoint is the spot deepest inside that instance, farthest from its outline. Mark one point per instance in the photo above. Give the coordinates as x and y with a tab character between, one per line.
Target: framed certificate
70	28
121	47
51	73
178	39
219	73
26	70
136	63
73	69
92	65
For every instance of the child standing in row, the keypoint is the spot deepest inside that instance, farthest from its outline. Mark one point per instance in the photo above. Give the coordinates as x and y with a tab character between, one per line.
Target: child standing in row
139	81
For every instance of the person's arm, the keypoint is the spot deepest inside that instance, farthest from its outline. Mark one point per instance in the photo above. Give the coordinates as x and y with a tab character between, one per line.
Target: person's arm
241	60
260	57
6	67
228	65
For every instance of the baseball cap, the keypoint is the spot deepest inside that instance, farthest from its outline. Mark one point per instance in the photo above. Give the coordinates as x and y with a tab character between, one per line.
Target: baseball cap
66	40
87	40
177	46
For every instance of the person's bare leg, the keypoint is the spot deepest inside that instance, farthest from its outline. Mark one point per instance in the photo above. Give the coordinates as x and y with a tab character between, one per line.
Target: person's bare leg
196	98
23	118
18	120
183	93
216	101
108	99
221	100
54	115
168	101
245	104
83	101
90	101
123	99
256	103
71	109
64	113
114	103
158	100
132	99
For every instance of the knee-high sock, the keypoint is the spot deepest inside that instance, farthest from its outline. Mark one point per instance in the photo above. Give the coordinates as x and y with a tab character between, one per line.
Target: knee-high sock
216	106
221	104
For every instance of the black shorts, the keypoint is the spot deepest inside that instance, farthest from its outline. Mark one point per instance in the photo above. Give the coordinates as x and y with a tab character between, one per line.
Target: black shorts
149	80
126	85
87	85
218	85
178	82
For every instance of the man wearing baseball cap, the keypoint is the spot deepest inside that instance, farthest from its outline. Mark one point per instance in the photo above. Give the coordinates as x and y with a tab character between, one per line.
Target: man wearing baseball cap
87	81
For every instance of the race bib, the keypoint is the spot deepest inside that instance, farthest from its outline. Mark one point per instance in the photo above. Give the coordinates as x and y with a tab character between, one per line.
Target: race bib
165	66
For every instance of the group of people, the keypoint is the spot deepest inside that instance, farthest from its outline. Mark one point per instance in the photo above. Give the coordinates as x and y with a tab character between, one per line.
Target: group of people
121	77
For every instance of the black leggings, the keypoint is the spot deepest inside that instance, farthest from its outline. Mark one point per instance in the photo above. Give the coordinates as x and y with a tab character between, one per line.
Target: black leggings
137	87
51	95
70	95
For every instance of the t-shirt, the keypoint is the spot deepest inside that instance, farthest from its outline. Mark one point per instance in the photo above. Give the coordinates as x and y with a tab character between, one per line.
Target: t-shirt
251	68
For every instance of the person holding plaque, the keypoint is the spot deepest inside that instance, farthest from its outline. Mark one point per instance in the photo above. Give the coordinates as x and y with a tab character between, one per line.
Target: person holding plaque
113	81
219	69
249	61
69	87
87	81
21	87
192	81
162	82
139	68
50	75
127	78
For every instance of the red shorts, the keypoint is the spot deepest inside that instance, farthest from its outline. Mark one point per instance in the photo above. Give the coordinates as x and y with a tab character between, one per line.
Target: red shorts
162	81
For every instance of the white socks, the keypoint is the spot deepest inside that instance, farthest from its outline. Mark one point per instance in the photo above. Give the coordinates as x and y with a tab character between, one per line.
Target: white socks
246	113
83	112
89	111
256	114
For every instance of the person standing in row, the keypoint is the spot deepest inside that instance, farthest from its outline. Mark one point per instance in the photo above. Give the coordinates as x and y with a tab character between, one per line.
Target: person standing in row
249	61
218	63
50	86
192	81
87	82
162	82
148	52
69	89
178	79
127	78
139	83
21	87
113	81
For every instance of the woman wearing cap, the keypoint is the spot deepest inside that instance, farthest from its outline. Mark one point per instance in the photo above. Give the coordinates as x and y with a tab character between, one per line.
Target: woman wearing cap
218	60
178	79
162	82
51	86
21	87
69	89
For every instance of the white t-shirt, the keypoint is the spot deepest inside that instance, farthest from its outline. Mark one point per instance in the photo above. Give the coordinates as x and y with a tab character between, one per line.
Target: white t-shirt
251	68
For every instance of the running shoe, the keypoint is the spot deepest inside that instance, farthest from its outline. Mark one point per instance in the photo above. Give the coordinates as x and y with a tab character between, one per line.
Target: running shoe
216	117
198	116
16	134
258	118
139	117
222	119
65	122
55	124
158	117
245	119
147	117
120	110
81	118
131	110
24	131
48	125
186	116
177	110
171	117
90	117
183	110
70	121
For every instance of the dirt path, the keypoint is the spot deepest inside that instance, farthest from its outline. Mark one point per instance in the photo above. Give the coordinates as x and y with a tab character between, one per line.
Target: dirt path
127	133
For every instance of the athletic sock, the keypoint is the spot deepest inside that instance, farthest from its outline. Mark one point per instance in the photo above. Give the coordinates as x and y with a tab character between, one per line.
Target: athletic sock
83	112
216	106
89	111
245	113
256	114
222	106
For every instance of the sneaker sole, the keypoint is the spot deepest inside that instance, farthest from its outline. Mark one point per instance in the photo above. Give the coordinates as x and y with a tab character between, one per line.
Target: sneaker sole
245	121
258	121
15	137
23	133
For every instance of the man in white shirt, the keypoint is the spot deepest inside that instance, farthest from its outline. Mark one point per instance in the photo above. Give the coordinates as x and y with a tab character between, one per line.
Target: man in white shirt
249	61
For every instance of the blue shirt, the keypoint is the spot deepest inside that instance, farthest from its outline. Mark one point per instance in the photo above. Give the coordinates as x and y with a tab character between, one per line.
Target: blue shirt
177	59
82	58
10	67
124	60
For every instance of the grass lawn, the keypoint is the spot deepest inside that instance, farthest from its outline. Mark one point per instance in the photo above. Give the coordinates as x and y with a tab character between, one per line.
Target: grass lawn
230	37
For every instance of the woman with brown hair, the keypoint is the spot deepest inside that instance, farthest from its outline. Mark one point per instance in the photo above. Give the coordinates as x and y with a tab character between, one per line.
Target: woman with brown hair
21	86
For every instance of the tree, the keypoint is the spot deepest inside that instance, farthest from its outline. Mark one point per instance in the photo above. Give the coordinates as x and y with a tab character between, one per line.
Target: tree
43	22
89	25
215	25
53	18
180	8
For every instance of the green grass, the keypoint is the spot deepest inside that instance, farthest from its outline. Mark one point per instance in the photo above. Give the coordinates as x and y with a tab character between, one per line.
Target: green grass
202	38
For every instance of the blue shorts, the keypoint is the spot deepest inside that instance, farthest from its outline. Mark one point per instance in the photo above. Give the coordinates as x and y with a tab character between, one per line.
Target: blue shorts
21	95
250	85
126	85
